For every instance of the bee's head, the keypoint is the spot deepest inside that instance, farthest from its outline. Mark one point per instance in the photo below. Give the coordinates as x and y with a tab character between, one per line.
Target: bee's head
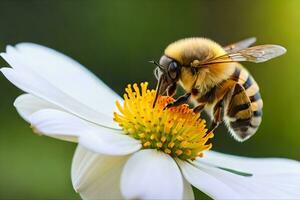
167	74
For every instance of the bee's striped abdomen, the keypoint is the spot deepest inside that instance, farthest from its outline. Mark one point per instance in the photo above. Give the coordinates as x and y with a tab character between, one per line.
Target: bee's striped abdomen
244	107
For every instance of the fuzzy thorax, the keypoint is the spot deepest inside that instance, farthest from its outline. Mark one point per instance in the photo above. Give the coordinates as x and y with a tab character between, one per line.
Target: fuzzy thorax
177	131
192	50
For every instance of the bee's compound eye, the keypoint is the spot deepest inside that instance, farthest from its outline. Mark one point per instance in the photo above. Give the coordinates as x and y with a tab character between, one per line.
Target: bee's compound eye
173	69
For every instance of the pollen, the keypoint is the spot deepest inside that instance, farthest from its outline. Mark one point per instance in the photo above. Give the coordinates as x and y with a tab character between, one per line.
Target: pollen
177	131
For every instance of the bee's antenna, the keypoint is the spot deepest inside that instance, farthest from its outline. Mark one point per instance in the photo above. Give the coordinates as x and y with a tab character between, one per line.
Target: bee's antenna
158	65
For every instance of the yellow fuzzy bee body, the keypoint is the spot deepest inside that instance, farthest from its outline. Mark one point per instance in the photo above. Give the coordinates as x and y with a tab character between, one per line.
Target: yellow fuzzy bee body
215	81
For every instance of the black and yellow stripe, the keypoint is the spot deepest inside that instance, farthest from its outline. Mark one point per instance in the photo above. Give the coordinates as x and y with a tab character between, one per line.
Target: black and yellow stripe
244	111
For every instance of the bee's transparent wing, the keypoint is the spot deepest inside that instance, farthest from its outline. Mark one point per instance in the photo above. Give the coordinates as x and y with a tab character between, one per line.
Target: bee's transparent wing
256	54
243	44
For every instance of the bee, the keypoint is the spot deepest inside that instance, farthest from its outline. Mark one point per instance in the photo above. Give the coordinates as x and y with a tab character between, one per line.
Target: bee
215	81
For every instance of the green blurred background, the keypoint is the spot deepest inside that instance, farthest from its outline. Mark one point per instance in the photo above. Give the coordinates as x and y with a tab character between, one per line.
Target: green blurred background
115	39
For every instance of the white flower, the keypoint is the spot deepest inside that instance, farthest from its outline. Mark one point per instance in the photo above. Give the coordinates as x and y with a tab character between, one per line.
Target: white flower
64	100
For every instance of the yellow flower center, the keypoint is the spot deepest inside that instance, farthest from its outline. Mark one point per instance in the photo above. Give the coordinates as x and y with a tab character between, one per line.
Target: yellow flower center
177	131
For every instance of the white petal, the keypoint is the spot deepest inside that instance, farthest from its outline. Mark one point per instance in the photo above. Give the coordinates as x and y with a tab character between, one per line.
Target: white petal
27	104
96	138
67	74
252	165
149	174
33	84
205	182
268	180
188	193
97	176
63	77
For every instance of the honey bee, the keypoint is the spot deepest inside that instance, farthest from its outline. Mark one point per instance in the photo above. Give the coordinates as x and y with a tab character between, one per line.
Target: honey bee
215	81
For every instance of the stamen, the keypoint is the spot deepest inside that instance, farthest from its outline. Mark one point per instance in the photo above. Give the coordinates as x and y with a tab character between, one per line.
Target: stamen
177	131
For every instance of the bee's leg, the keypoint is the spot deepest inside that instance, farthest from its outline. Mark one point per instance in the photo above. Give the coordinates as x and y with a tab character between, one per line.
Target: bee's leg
171	90
218	115
181	100
199	108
